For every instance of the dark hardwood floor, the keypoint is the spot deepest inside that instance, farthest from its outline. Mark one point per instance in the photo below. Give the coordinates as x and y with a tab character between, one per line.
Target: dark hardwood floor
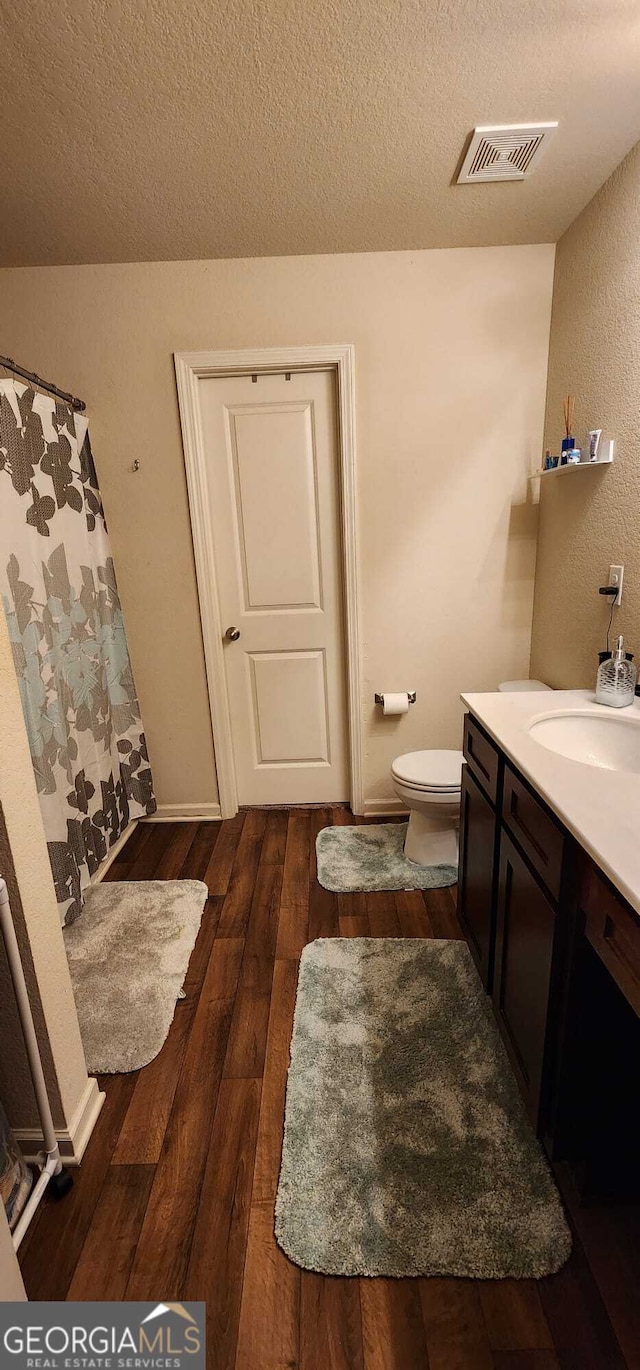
174	1198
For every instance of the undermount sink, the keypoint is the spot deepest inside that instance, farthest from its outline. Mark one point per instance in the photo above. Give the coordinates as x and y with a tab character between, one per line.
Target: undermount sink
608	741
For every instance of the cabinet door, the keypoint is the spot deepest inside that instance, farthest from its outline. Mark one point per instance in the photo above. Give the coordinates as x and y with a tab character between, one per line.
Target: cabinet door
525	934
613	929
476	875
482	757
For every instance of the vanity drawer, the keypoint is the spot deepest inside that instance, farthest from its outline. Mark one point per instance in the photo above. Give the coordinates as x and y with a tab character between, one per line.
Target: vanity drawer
535	830
614	933
482	756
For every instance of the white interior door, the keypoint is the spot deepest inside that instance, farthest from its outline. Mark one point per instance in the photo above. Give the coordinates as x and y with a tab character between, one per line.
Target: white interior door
272	471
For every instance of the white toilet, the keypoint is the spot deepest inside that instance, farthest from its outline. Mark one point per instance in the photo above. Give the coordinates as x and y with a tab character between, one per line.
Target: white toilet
429	784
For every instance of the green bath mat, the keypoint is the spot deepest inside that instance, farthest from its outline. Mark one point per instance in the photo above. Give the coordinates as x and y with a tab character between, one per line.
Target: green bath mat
128	955
407	1149
371	858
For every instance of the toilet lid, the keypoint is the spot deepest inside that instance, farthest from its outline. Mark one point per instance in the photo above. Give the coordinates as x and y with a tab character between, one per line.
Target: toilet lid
430	770
514	686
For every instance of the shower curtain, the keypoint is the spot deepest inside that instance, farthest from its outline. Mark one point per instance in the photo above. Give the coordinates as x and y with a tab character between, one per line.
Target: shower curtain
69	645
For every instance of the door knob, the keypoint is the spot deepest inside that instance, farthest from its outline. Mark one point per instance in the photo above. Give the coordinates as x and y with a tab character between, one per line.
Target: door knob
232	634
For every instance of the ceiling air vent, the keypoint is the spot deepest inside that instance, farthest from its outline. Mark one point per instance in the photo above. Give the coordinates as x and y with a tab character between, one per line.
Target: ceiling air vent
504	152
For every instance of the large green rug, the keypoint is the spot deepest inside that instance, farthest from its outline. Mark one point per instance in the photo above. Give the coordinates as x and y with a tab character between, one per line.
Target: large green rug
407	1150
370	857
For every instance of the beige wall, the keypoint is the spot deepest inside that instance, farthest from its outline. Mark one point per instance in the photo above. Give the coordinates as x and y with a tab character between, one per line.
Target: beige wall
451	358
591	519
25	866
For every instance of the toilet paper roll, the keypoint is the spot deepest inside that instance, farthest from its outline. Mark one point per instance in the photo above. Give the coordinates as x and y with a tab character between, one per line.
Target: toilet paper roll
395	703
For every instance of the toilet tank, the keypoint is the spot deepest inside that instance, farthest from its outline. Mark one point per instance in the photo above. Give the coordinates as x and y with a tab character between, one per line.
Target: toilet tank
508	686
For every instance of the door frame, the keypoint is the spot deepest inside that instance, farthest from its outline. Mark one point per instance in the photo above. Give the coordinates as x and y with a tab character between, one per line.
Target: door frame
191	368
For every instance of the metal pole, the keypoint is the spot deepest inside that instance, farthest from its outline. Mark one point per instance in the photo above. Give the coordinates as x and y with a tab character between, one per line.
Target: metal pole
32	376
53	1162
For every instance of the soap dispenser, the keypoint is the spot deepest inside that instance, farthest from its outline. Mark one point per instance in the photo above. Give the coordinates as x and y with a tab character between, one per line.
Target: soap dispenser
616	680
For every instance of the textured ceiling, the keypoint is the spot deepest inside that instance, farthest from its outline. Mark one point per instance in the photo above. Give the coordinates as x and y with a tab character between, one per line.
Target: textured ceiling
174	129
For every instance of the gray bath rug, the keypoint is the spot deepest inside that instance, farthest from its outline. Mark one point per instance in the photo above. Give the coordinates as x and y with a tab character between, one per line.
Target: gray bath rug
407	1150
371	858
128	955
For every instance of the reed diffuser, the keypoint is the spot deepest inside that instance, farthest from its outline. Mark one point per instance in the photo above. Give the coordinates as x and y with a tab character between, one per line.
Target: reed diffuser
568	444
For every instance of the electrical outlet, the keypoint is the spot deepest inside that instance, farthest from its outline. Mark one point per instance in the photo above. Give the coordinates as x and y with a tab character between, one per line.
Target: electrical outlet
616	577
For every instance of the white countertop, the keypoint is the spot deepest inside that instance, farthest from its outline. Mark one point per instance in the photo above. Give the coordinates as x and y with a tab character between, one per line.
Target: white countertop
600	807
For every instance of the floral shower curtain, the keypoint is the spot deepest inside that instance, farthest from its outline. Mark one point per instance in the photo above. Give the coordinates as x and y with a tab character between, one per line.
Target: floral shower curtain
70	649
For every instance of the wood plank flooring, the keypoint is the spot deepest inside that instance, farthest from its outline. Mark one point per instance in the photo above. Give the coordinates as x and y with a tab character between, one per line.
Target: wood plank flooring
174	1199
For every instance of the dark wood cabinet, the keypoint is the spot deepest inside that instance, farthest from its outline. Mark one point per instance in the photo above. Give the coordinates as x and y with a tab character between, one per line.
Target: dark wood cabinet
613	929
558	949
595	1123
482	757
477	874
537	832
524	956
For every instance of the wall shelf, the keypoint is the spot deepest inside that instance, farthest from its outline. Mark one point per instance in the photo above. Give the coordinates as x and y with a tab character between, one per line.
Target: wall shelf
578	465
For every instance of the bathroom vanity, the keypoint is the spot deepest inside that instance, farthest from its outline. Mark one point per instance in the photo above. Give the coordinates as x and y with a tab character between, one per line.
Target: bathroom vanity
549	902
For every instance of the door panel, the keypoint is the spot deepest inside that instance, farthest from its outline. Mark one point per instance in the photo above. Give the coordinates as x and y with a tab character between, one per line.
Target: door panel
275	471
272	469
301	736
477	874
526	925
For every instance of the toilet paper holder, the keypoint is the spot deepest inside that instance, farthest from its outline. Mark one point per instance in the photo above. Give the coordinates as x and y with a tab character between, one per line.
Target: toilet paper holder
411	696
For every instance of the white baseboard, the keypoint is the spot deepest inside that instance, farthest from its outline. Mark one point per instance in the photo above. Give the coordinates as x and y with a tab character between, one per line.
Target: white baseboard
184	813
385	808
72	1140
113	852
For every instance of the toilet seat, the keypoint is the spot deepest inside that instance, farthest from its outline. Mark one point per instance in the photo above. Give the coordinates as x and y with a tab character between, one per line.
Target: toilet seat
432	772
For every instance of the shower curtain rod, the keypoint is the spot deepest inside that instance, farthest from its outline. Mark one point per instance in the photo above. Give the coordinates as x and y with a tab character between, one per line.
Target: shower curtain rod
75	403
